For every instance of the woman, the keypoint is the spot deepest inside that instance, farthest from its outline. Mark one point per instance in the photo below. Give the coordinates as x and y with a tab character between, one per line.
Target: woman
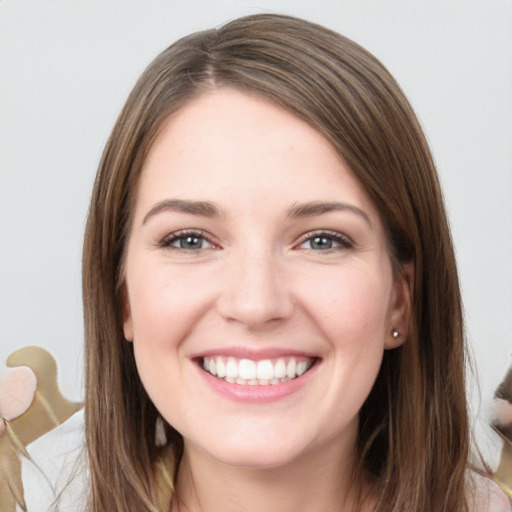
272	309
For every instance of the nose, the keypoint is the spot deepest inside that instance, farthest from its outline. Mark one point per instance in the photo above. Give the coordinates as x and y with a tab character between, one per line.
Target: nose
256	291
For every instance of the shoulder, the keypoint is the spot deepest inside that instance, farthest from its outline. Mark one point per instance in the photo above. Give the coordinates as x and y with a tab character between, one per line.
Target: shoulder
486	496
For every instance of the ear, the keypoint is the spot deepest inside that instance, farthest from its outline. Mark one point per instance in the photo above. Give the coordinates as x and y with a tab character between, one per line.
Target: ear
400	307
127	316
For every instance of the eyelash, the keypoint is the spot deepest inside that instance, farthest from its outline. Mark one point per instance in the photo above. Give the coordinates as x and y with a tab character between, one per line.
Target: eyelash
167	242
342	241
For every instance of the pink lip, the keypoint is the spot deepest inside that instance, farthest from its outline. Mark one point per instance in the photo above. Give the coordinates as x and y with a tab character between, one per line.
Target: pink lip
256	394
254	354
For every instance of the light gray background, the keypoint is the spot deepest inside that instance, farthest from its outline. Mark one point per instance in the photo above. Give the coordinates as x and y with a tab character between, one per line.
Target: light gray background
66	68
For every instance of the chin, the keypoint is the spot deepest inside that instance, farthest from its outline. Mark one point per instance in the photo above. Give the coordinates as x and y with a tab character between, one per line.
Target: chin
253	452
258	458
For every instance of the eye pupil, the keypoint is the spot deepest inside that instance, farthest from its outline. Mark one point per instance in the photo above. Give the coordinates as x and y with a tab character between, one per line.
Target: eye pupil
321	242
191	242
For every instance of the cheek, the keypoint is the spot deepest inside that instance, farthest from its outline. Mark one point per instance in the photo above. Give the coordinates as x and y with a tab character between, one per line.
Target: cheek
165	305
165	308
351	305
353	318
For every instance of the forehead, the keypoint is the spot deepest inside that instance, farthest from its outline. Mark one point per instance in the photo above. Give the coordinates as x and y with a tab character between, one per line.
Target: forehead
238	149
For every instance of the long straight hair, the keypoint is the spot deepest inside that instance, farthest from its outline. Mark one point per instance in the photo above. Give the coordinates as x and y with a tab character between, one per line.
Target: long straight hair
413	437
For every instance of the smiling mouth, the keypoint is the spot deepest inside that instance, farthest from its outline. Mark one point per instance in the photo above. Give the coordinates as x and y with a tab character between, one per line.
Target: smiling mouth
256	373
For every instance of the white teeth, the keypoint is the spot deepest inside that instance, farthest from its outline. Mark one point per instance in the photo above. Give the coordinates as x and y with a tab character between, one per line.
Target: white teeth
247	369
301	367
256	373
221	368
265	370
232	369
290	368
280	369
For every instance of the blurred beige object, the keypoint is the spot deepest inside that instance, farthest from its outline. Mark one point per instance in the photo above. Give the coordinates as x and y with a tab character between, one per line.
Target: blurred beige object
31	405
503	473
502	423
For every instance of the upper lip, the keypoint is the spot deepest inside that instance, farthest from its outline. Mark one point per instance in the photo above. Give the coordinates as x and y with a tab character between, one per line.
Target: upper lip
257	354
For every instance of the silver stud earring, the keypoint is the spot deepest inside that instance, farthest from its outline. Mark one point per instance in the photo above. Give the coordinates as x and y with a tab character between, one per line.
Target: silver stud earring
395	333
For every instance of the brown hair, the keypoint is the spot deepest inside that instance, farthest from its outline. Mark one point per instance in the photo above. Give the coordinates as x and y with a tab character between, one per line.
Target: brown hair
413	434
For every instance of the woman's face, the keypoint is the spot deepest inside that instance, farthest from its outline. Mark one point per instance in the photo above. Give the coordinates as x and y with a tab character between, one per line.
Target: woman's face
260	294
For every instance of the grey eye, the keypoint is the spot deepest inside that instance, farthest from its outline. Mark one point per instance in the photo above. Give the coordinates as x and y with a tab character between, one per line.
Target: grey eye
190	242
325	241
321	243
186	241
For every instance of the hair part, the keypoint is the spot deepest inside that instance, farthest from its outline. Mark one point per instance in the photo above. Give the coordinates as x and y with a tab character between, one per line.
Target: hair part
413	435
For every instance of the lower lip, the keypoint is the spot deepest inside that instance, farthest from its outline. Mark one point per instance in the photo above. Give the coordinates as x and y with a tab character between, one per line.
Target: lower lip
257	393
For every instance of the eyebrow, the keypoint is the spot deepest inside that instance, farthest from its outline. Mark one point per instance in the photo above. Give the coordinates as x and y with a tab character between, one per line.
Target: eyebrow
319	207
297	210
201	208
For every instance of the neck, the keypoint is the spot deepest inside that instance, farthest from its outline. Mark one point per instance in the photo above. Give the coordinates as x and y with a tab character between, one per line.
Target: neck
318	482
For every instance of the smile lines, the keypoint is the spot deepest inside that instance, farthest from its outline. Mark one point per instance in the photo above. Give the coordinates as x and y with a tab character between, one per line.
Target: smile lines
256	373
